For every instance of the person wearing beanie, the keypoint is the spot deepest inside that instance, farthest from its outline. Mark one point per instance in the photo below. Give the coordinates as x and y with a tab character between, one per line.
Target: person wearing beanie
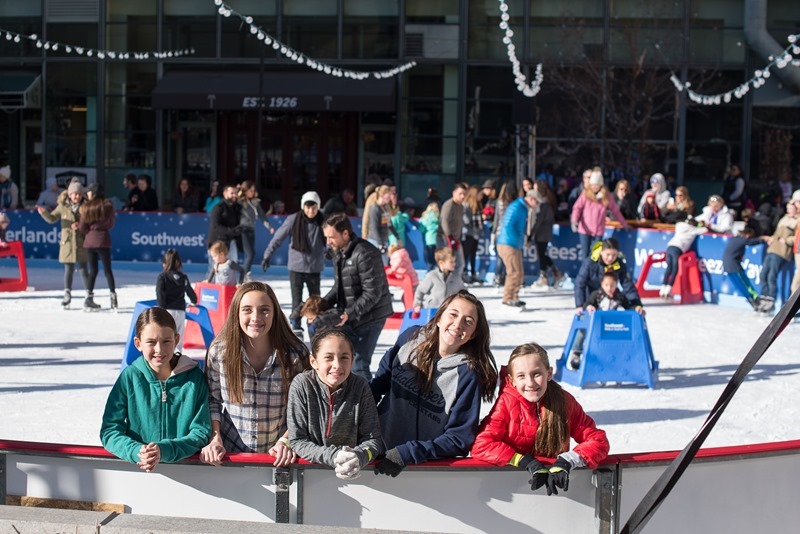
589	212
71	251
9	192
306	251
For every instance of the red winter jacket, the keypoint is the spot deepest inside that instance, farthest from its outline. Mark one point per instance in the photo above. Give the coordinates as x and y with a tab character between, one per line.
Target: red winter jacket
511	428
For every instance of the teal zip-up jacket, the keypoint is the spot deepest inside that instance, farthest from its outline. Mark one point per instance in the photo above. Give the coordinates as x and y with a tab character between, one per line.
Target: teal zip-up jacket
141	410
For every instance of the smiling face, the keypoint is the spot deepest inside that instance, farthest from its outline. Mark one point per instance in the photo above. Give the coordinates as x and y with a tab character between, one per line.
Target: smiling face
529	376
157	345
256	314
609	255
310	209
333	360
457	326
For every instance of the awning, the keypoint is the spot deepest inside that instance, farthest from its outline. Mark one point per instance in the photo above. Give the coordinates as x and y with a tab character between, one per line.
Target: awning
280	91
20	90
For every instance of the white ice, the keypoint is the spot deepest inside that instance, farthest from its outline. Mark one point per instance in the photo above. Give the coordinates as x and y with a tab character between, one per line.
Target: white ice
57	367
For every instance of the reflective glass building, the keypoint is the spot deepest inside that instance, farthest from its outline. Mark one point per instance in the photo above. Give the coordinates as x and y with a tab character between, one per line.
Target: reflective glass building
238	109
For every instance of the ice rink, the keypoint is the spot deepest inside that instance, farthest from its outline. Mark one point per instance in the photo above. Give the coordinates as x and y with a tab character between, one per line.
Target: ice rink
57	367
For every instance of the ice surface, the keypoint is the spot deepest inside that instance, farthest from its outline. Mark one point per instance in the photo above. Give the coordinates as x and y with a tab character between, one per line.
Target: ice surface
57	367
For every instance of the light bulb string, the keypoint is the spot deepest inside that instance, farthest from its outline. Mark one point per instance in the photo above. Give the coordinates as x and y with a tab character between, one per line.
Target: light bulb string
55	46
759	78
302	59
528	89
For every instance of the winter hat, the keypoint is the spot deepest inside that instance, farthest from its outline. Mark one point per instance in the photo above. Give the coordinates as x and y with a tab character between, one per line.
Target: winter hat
596	178
796	196
92	188
75	187
488	184
310	196
6	171
657	177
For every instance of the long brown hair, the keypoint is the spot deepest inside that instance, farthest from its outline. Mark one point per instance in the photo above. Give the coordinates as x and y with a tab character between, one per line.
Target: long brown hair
155	315
97	209
544	189
479	355
552	438
283	341
472	199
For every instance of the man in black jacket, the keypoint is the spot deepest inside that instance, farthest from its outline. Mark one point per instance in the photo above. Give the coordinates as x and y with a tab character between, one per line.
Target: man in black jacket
360	290
224	222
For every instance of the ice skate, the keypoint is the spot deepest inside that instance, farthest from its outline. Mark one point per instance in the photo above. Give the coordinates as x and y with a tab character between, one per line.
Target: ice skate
574	360
516	304
114	306
541	284
558	277
67	299
767	306
89	304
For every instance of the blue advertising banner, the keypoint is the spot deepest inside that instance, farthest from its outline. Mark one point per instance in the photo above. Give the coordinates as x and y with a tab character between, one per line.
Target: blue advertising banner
146	236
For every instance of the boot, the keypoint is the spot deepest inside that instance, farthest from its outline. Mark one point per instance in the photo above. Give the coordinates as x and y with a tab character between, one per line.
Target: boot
67	298
89	304
558	277
767	305
114	305
542	281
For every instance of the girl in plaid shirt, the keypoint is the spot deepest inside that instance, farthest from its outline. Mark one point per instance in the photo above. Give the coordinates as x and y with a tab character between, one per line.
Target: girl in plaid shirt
249	368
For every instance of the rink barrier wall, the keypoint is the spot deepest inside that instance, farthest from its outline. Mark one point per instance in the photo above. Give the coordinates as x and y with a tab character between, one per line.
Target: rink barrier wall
145	236
745	488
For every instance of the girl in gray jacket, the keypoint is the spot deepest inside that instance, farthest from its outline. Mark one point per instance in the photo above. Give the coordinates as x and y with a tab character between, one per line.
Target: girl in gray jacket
331	413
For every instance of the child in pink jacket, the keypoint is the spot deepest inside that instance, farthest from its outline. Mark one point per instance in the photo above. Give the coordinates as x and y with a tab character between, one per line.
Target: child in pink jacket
400	264
533	417
589	212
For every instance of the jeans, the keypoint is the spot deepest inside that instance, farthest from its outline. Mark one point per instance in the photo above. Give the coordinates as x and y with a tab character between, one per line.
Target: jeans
69	271
430	256
673	257
769	274
249	246
586	244
365	339
105	256
296	281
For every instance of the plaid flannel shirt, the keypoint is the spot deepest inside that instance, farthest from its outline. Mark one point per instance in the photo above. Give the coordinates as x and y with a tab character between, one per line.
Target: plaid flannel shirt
257	423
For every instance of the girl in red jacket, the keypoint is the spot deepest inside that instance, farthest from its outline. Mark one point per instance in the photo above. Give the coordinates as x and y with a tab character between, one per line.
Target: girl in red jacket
536	417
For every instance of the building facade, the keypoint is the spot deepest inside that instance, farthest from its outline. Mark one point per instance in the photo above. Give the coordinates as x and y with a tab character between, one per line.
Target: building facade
236	109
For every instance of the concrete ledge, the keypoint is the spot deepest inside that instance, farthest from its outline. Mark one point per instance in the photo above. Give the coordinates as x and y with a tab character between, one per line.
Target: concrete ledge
25	520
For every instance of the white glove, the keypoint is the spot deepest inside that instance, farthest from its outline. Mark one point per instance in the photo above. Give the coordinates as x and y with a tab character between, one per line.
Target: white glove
347	464
574	227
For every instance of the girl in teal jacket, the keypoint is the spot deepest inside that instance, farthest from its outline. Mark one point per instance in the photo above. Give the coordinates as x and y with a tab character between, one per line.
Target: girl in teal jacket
157	410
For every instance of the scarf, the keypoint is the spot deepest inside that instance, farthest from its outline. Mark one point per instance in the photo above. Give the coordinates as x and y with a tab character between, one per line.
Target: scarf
300	229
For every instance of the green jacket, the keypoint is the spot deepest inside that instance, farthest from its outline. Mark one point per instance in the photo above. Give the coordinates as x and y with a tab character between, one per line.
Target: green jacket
429	225
136	414
399	224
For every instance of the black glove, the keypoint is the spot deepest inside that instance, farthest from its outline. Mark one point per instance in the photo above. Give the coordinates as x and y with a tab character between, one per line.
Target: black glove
237	230
391	464
265	264
539	472
558	476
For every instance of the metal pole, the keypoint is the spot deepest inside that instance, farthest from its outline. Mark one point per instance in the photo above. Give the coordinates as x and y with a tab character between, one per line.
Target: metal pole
282	481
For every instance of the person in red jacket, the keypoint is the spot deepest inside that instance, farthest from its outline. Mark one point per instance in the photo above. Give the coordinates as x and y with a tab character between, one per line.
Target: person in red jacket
534	418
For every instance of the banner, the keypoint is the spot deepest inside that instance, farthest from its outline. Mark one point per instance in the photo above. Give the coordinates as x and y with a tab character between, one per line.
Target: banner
146	236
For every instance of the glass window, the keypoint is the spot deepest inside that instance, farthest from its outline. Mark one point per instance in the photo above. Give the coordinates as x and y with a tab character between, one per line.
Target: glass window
636	43
566	9
133	150
237	41
190	24
132	36
485	35
371	29
725	13
433	11
309	8
717	45
124	10
315	36
24	26
636	9
125	113
72	114
73	34
125	78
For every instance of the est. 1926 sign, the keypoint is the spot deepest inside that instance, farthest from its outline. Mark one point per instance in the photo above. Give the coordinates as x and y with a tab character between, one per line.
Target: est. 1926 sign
273	102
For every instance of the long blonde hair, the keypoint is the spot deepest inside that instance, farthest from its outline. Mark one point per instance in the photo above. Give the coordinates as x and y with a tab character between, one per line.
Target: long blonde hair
552	438
283	340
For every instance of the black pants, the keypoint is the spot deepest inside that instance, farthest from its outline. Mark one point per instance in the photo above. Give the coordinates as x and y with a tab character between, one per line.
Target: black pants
296	281
105	256
544	260
69	271
470	245
673	258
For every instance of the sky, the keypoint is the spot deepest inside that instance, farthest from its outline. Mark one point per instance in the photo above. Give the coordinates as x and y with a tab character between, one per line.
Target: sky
57	366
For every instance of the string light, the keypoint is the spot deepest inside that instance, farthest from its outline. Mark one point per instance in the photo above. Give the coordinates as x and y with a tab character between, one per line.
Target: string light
302	59
759	78
89	52
529	90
